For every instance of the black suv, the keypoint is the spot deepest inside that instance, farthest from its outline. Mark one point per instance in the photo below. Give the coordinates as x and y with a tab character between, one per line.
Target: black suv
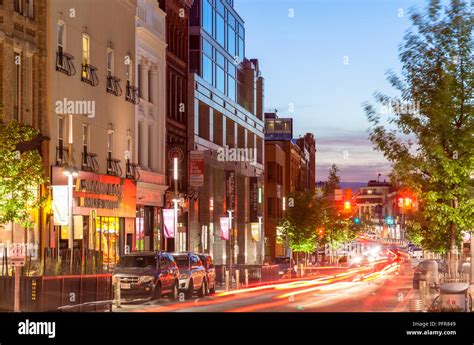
147	275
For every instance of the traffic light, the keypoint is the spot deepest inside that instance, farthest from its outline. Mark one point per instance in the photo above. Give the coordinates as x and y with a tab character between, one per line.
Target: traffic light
347	205
357	220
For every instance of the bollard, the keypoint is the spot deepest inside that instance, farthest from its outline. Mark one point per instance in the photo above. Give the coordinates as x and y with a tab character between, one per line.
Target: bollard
246	277
301	270
226	280
118	302
423	291
237	279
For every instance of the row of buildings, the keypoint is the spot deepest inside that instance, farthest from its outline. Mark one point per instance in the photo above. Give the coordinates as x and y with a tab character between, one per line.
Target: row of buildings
385	207
151	107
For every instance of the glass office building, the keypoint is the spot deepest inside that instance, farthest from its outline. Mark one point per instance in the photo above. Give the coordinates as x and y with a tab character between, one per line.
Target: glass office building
227	113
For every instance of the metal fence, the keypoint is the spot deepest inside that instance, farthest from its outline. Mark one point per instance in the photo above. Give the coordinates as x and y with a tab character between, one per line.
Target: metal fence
58	293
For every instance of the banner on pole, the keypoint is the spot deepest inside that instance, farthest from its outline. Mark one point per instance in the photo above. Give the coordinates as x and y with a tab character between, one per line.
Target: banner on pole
168	223
224	233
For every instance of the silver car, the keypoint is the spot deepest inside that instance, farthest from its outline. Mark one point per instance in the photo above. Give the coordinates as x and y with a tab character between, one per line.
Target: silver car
192	274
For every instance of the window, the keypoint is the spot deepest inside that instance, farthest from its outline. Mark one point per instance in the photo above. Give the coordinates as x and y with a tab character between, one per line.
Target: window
220	79
207	16
129	72
220	30
18	6
85	138
231	87
60	37
17	87
129	148
231	40
110	62
110	143
207	69
61	130
29	9
85	54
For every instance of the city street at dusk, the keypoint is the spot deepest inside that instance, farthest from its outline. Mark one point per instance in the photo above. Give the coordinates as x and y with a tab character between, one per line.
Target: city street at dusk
280	171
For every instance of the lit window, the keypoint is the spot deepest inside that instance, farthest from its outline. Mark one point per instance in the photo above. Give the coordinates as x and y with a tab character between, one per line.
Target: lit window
85	54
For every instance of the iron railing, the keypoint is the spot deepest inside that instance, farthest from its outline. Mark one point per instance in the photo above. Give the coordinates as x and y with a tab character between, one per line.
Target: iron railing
132	94
89	75
89	162
113	167
64	63
113	85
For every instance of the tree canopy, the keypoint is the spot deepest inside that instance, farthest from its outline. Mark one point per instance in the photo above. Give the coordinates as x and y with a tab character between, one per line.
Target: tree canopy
21	174
429	135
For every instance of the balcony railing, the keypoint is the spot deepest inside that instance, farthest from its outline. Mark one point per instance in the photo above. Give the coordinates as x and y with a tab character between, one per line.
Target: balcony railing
113	85
113	167
132	171
89	162
89	75
132	94
64	63
61	155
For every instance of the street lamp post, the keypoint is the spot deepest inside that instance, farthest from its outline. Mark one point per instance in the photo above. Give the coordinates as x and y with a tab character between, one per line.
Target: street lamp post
70	171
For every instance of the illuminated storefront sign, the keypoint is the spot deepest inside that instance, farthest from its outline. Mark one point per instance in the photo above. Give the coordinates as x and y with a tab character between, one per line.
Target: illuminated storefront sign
108	195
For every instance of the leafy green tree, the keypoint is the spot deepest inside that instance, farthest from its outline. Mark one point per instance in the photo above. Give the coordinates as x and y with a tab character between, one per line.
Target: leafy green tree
333	181
430	143
21	174
299	225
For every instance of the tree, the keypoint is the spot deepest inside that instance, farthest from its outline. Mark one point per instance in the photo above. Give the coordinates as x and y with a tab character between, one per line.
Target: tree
21	174
299	224
430	142
333	182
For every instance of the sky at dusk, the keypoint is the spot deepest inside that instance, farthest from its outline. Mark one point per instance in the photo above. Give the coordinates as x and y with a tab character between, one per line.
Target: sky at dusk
324	58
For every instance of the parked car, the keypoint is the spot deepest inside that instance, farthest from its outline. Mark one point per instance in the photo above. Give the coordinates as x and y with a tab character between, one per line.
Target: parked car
427	270
147	275
284	264
192	274
208	264
416	253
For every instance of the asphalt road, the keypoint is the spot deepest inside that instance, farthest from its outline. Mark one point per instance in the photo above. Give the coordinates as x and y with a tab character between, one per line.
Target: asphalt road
385	287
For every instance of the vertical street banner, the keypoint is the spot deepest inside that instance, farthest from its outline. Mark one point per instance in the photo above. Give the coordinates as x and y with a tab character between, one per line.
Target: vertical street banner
230	189
60	205
253	195
255	231
168	223
196	168
224	233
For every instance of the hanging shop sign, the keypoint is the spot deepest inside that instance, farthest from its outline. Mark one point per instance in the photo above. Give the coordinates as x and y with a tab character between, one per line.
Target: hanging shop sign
230	189
168	222
196	168
224	233
60	205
